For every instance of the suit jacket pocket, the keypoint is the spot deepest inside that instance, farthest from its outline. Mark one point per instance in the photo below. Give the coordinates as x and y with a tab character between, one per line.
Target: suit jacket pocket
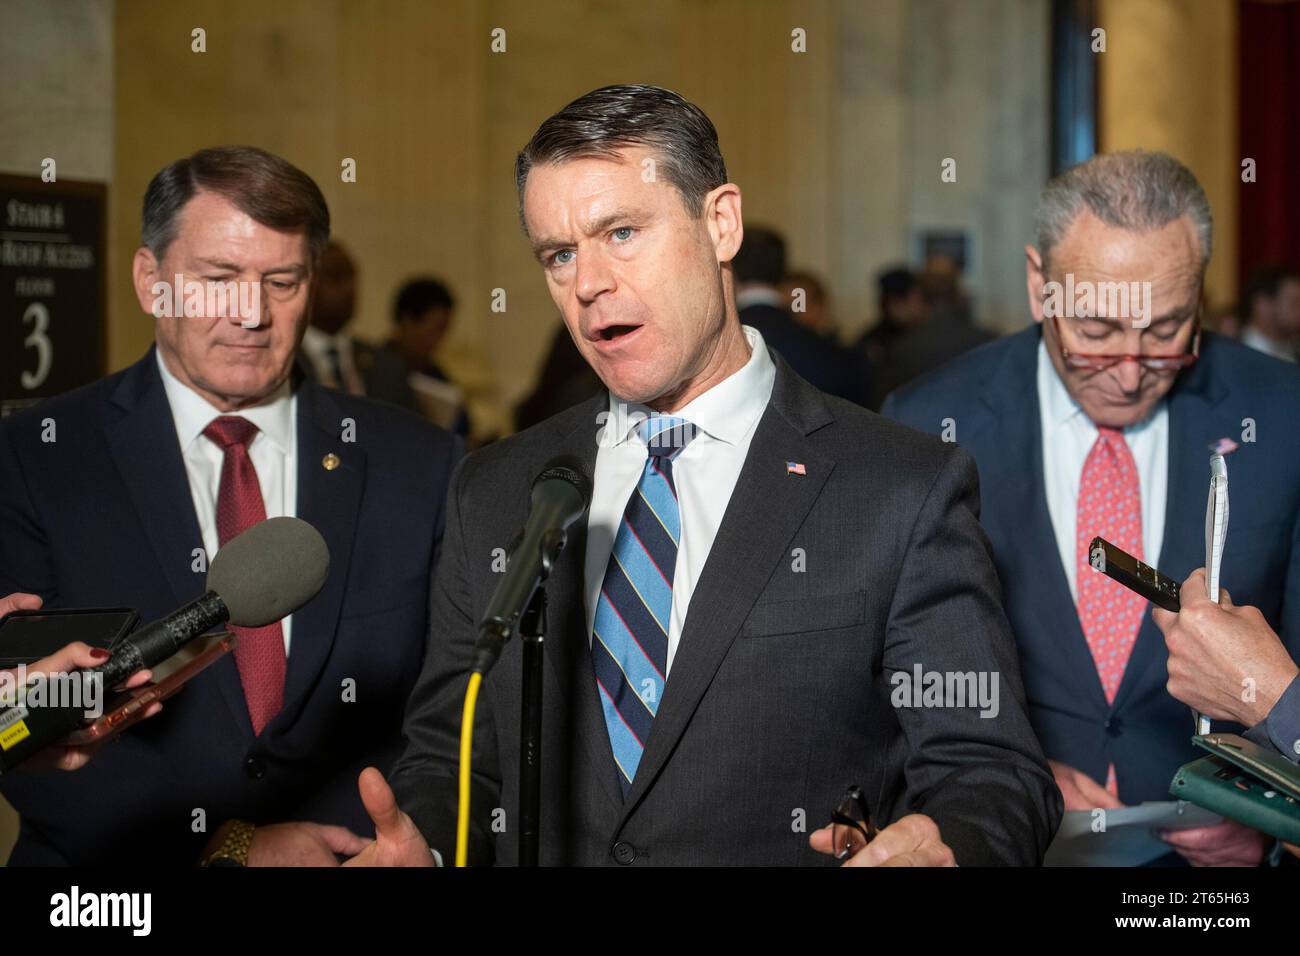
801	615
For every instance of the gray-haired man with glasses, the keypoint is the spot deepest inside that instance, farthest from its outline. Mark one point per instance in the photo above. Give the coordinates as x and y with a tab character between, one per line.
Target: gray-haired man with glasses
1099	419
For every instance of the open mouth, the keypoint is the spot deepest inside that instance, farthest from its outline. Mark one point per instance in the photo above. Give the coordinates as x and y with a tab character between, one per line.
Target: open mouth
612	332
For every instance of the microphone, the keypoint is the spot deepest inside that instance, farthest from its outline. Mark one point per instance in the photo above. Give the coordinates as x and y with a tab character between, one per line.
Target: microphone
257	578
560	496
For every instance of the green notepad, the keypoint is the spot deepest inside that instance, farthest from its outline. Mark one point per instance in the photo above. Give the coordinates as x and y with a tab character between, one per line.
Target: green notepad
1244	782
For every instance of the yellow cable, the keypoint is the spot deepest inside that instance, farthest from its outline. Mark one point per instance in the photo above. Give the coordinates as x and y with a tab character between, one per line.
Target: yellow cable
466	749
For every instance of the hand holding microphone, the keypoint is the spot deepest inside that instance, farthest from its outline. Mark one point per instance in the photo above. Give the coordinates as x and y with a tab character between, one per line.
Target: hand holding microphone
75	656
259	577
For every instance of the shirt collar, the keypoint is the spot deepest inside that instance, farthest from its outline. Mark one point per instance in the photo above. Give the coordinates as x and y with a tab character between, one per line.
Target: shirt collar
192	413
1059	405
728	411
317	342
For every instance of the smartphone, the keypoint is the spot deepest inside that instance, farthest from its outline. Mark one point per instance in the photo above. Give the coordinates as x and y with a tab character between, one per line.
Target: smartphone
129	708
1144	580
28	636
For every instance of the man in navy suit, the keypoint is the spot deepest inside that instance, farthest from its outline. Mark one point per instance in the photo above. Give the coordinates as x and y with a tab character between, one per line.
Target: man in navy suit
1099	420
120	492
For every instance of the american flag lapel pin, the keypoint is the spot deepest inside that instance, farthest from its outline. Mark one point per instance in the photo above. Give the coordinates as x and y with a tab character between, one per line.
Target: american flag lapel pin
795	468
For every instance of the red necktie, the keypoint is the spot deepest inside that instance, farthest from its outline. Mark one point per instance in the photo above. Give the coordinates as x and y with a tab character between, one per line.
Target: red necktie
1110	505
259	653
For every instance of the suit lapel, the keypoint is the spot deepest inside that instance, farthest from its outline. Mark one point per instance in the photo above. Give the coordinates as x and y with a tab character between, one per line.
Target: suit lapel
1016	476
329	499
148	457
766	509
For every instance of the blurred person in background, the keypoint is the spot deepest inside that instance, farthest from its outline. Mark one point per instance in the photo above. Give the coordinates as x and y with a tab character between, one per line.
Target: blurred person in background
807	298
901	307
760	269
943	330
1270	309
404	371
329	354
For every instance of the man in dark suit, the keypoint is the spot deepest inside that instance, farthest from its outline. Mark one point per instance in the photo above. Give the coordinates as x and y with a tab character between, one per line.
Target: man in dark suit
736	627
119	492
759	268
1099	420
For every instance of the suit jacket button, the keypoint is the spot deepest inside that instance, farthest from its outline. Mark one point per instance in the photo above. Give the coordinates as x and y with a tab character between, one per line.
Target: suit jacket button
624	852
1113	726
255	767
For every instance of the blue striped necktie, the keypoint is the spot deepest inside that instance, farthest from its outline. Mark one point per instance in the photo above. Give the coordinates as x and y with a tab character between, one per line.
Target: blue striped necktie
629	643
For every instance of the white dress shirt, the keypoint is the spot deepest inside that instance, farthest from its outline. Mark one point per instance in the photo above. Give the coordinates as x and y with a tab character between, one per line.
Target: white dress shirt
272	451
316	346
704	473
1068	436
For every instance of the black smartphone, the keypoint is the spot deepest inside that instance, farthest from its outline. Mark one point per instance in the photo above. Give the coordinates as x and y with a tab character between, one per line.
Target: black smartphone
28	636
1142	579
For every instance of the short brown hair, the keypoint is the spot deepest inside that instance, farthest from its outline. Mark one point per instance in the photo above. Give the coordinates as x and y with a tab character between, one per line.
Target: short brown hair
602	122
269	189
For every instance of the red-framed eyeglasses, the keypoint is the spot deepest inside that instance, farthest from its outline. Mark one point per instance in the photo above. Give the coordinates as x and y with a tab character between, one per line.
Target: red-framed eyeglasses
1085	361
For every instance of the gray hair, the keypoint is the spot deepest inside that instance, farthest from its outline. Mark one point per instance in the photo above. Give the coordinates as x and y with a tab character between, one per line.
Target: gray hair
1133	189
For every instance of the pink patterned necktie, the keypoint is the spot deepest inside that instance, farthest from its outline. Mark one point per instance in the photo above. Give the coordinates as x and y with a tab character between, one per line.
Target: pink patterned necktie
1110	505
259	654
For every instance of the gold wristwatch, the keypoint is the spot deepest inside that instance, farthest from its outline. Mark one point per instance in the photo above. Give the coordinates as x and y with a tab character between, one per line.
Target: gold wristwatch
233	850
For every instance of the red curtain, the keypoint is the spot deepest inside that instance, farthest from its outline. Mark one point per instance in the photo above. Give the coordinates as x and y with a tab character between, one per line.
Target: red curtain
1269	132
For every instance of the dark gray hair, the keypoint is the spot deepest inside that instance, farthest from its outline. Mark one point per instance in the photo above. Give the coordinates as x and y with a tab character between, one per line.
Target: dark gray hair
602	122
1133	189
268	189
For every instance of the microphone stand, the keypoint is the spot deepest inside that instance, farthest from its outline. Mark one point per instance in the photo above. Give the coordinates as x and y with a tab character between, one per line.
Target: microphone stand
532	631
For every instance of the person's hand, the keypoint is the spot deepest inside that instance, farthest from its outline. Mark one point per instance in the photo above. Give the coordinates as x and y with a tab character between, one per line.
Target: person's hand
19	601
398	842
75	656
912	840
1225	844
1080	791
298	844
1216	651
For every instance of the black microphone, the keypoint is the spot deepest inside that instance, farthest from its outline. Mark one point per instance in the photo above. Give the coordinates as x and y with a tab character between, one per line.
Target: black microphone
561	494
257	578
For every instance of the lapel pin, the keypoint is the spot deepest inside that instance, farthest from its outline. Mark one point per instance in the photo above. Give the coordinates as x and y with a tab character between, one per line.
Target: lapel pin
795	468
330	461
1224	446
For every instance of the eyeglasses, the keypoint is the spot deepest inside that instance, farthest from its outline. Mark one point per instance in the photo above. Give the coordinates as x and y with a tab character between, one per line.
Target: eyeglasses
851	825
1157	363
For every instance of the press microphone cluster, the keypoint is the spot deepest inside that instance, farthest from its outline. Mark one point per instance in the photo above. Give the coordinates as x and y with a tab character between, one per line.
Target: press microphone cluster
560	496
257	578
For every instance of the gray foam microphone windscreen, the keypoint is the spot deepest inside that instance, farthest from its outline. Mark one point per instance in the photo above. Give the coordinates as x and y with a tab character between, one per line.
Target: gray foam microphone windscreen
269	571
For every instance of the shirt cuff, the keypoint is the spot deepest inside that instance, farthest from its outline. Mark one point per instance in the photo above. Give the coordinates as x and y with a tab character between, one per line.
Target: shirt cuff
1281	728
437	857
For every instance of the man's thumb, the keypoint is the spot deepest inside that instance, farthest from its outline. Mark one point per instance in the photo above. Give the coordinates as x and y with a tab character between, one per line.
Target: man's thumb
378	799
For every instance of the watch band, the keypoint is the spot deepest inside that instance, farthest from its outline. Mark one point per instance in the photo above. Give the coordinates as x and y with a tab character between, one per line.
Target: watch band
233	850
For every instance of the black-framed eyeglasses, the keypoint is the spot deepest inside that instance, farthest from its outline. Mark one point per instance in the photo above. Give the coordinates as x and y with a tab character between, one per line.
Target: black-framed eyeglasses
1092	362
851	824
